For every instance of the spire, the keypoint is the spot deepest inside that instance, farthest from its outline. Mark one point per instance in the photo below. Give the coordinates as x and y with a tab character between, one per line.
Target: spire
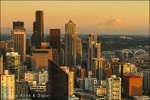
70	21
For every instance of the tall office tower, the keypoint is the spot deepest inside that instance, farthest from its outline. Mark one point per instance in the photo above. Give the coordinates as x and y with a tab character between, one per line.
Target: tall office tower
98	68
57	85
70	28
94	50
133	86
40	26
55	44
7	86
20	43
113	88
55	39
79	51
1	64
13	63
18	25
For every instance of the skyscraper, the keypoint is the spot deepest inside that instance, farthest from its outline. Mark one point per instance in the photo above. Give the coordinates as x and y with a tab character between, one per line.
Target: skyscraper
94	50
20	43
58	84
18	25
70	28
55	39
55	44
40	26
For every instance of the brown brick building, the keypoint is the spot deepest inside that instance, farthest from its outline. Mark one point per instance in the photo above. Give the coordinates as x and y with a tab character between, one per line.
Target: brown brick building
133	86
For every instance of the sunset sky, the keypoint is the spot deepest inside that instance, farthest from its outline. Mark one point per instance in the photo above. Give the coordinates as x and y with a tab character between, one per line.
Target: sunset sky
101	17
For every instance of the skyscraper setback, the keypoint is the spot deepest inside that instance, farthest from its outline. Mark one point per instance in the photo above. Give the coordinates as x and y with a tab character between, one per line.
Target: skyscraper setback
40	27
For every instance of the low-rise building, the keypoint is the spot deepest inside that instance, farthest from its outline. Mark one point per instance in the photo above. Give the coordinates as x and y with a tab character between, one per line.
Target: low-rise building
141	98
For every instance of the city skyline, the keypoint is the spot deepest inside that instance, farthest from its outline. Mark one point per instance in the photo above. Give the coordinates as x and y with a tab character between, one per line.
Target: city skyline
100	17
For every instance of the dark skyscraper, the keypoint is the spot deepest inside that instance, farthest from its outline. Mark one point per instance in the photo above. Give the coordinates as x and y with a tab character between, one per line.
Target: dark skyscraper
34	26
40	26
18	25
55	39
57	86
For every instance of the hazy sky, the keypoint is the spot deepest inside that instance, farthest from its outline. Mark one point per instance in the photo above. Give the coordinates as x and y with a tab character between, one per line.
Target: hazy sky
103	17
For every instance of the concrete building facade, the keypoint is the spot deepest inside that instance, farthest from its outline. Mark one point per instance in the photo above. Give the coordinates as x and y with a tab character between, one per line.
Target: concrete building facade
7	86
113	88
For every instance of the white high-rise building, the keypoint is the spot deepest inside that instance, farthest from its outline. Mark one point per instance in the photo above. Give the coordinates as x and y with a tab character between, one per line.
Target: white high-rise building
7	86
19	37
73	45
113	89
94	50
